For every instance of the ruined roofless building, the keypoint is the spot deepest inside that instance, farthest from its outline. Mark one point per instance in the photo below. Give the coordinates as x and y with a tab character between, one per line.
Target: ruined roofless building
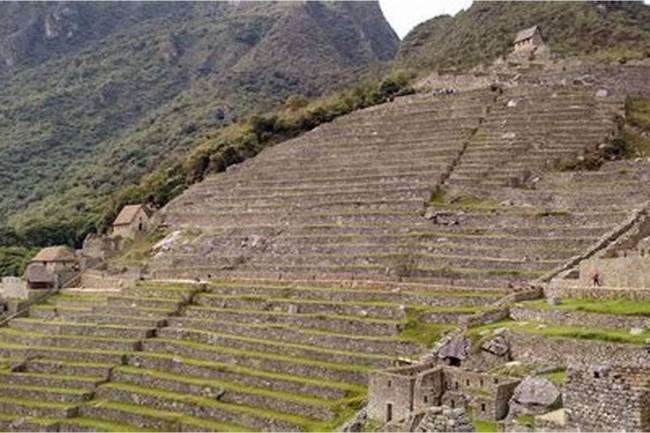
394	394
528	39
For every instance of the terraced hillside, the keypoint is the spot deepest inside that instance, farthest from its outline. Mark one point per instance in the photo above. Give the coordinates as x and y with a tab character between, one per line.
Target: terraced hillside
351	248
211	358
456	189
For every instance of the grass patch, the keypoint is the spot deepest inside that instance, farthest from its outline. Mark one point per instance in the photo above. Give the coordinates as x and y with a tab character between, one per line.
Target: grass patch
485	426
421	332
556	331
350	388
618	306
557	377
527	420
138	251
308	423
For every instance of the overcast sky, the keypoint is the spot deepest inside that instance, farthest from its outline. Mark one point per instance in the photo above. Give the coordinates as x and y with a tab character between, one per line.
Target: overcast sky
403	15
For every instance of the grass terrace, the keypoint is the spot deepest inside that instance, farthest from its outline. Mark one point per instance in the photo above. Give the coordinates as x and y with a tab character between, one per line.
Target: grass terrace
618	307
553	331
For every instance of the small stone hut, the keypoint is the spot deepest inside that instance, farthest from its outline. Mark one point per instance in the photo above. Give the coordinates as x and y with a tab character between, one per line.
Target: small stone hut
132	222
528	39
56	260
397	393
38	277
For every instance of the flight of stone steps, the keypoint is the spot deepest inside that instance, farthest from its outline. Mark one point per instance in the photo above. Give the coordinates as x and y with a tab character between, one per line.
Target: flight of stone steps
349	200
220	357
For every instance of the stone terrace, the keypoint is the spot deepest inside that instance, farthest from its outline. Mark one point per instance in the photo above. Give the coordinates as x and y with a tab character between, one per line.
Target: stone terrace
223	357
348	200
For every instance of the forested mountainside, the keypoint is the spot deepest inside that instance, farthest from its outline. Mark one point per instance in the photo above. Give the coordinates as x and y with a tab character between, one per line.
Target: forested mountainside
94	94
602	31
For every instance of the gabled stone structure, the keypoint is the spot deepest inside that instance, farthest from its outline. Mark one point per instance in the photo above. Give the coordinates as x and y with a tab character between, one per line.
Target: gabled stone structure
133	221
528	39
396	393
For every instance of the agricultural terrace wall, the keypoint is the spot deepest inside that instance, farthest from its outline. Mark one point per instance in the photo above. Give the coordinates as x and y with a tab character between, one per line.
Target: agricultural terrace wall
577	318
564	351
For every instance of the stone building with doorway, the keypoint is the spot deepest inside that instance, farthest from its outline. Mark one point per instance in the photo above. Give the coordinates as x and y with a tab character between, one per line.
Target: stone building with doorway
397	393
133	221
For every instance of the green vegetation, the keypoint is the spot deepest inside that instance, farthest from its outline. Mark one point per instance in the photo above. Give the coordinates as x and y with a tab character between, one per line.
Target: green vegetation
421	332
526	420
485	426
557	377
123	90
556	331
216	151
459	199
14	260
139	251
485	31
618	306
636	129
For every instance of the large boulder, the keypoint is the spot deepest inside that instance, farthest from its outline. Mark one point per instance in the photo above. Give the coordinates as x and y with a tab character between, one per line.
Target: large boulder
442	419
534	396
455	347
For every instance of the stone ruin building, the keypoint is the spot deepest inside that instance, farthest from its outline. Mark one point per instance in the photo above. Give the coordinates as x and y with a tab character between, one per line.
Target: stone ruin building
395	394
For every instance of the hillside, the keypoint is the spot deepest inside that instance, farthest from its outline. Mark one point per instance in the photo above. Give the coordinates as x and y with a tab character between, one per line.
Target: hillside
608	31
94	95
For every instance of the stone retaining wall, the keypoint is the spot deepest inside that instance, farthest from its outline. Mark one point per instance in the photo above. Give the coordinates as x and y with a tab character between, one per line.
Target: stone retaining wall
581	292
576	318
563	351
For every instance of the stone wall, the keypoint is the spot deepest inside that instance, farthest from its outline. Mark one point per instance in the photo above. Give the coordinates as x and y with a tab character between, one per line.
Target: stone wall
395	394
13	288
576	318
608	397
392	394
580	292
617	272
564	351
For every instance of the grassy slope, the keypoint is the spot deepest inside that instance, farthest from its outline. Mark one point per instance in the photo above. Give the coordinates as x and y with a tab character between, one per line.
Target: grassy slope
485	31
81	119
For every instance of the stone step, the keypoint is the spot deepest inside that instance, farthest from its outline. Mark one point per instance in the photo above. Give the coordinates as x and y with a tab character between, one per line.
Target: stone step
91	330
140	302
275	347
51	380
37	408
201	407
329	322
264	361
17	336
58	368
226	392
252	376
431	295
44	394
302	306
57	353
390	346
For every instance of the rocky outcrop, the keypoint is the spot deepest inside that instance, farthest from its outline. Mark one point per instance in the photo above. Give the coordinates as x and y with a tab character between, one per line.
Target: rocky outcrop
443	419
534	396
